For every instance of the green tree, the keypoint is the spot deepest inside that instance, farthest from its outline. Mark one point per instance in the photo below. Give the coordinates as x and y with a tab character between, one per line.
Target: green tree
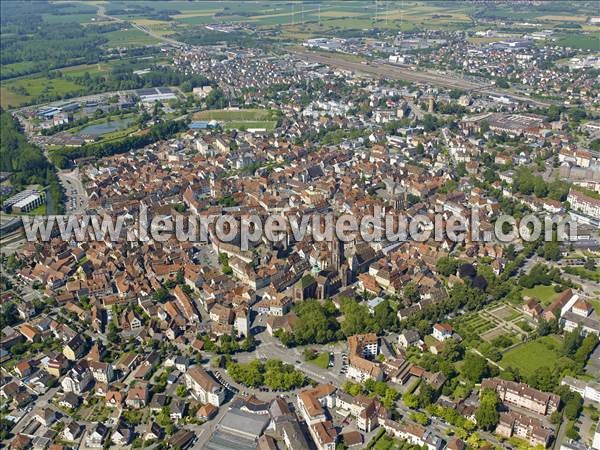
487	414
411	293
314	325
447	265
571	342
543	378
474	368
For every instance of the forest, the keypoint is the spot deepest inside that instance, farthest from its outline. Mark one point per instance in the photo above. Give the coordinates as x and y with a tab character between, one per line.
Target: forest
26	162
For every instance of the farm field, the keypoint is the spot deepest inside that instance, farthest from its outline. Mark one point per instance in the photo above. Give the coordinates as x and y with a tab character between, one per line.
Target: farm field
129	38
67	18
588	41
159	27
531	355
563	18
14	69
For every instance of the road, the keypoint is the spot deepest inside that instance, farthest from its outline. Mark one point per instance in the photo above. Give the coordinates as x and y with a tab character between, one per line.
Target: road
271	348
402	73
76	196
9	244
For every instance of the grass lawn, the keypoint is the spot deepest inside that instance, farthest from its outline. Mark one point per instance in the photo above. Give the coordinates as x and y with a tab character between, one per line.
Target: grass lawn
39	211
596	305
119	134
385	442
528	357
321	361
544	294
430	340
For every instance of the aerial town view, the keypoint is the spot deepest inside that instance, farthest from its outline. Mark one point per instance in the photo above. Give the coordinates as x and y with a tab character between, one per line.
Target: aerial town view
300	224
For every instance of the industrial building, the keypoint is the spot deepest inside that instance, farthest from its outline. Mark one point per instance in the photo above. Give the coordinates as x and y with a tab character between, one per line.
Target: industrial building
151	95
24	201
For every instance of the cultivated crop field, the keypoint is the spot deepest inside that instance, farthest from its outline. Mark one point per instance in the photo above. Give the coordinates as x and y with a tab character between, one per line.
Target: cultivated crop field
477	324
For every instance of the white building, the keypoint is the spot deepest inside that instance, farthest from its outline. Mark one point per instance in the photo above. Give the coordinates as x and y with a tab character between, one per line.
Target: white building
77	380
588	390
442	331
203	387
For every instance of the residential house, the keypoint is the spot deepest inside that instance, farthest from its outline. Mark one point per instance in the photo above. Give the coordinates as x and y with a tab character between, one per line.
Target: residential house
75	348
72	431
97	435
78	379
442	331
137	397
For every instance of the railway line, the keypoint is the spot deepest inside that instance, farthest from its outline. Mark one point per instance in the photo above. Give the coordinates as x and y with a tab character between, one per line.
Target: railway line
402	73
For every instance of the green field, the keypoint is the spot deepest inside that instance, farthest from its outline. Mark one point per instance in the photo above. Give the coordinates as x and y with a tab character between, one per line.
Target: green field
321	361
69	18
586	274
528	357
21	91
386	443
9	70
92	69
543	294
129	38
581	41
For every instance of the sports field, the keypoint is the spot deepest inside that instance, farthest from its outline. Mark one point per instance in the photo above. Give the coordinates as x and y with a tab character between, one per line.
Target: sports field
241	119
